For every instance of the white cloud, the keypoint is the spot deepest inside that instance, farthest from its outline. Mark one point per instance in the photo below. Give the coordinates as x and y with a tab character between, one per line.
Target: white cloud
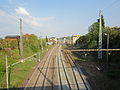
42	19
22	11
2	13
35	21
47	18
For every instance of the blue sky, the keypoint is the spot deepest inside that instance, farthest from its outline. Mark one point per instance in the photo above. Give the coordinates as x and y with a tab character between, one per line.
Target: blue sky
55	17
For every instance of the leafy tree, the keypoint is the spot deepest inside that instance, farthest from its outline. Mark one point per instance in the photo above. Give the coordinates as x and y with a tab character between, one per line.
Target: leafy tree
33	43
44	42
92	44
90	40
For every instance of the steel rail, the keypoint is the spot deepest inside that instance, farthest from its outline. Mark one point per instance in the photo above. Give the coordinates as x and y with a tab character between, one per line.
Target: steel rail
79	72
42	67
72	70
34	72
59	71
46	71
65	71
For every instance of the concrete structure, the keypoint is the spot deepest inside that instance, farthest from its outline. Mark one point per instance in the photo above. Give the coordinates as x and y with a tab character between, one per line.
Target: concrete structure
74	38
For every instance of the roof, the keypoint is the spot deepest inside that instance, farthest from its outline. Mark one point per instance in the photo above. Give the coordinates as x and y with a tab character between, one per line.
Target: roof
26	35
76	35
12	36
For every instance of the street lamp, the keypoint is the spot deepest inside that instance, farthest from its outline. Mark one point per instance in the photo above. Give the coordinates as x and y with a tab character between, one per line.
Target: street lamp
107	46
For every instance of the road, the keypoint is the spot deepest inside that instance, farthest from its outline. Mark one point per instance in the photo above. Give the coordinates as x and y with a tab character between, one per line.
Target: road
57	72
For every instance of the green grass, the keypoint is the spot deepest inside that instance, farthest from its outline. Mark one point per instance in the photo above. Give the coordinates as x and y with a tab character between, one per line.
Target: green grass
77	58
19	72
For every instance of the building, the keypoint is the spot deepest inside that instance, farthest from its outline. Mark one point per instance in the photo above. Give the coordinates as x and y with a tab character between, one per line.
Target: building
61	41
26	36
16	37
52	40
68	40
65	40
74	38
12	37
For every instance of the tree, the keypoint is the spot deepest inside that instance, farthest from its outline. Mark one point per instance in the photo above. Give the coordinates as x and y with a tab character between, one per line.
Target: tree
46	39
33	43
92	44
90	40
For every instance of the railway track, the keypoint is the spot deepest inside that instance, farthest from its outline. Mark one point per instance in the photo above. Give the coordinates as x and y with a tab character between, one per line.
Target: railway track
76	67
35	81
56	71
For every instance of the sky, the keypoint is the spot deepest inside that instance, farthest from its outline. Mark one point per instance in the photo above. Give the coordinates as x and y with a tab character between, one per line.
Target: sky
55	18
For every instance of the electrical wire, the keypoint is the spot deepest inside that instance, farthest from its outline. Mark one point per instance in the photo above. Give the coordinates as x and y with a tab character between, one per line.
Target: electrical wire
109	6
16	17
2	9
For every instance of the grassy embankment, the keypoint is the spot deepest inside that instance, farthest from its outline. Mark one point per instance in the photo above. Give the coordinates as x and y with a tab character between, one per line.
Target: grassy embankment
19	72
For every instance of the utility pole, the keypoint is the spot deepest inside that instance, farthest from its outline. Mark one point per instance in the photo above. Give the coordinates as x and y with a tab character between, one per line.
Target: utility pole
100	37
41	43
46	41
39	54
21	41
7	82
107	49
39	50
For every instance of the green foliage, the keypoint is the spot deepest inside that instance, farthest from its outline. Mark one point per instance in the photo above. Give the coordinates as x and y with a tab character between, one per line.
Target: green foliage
114	37
44	42
90	40
30	45
93	44
33	43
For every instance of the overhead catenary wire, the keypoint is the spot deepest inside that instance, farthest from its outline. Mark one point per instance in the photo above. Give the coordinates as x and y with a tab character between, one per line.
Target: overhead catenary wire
9	13
16	17
110	5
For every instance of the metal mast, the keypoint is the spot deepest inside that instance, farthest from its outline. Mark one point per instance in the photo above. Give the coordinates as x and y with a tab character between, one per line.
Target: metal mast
21	41
100	37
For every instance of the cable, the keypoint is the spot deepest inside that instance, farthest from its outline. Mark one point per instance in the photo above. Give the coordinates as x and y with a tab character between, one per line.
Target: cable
2	9
109	6
16	17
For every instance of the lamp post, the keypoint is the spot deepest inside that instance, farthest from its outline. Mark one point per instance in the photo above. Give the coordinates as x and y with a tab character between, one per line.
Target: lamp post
107	48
